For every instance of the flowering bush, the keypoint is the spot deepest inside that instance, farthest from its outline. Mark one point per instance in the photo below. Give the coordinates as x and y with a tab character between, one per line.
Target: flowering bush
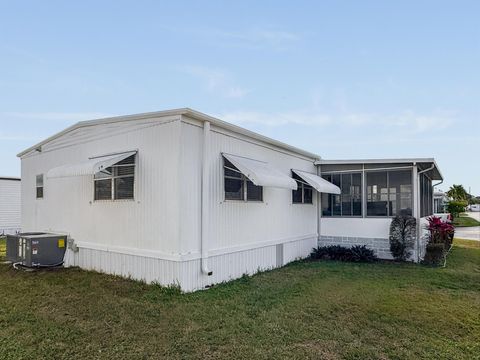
439	240
440	231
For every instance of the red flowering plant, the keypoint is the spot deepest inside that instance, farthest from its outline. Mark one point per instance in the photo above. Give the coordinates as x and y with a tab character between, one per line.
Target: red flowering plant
440	231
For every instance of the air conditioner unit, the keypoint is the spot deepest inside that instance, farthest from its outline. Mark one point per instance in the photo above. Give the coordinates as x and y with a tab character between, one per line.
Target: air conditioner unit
36	249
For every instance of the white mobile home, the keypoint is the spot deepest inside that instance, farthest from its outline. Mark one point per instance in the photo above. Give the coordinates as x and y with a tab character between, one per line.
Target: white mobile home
9	205
179	197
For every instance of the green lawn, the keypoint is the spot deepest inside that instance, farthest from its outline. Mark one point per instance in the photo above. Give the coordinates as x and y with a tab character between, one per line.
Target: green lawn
305	310
465	220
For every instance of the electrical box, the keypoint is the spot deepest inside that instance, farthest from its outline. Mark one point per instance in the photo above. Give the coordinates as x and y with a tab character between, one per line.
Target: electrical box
36	249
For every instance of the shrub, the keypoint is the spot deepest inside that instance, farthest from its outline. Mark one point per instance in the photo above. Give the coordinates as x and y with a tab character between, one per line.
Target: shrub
403	232
456	207
440	232
357	253
440	239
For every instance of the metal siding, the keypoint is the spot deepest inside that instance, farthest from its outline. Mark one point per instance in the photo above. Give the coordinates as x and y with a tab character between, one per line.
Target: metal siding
9	206
165	215
149	222
236	223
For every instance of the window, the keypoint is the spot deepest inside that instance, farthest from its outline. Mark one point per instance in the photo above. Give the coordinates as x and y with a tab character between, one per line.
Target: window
426	195
39	186
238	186
389	193
304	192
116	182
349	202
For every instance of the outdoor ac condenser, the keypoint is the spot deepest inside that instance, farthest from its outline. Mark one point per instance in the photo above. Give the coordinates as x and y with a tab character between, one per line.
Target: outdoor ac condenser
36	249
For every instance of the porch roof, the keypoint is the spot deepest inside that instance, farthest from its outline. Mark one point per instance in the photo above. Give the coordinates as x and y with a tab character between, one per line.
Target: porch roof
422	164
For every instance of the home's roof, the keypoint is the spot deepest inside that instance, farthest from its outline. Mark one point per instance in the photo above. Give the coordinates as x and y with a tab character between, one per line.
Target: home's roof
13	178
423	164
176	112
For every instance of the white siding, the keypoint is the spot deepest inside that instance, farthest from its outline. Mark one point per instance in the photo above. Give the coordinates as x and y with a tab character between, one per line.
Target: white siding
150	222
355	227
238	226
157	237
9	206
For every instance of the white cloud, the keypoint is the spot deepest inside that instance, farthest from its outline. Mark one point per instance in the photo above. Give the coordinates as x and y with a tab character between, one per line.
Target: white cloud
260	37
420	123
406	122
13	137
275	119
216	81
53	116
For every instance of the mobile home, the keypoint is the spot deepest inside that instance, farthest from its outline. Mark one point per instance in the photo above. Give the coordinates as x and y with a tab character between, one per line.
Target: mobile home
180	197
9	205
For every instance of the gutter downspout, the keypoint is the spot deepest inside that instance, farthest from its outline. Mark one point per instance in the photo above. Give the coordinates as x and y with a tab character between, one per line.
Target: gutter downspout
204	199
418	207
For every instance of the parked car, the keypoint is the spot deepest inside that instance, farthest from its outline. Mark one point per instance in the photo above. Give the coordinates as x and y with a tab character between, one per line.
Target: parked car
474	207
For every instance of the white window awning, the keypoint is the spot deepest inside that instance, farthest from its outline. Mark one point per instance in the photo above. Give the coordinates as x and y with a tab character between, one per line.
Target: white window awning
318	183
261	173
90	167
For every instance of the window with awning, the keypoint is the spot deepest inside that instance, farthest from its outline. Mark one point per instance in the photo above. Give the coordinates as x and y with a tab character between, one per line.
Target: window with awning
315	181
113	174
261	173
89	167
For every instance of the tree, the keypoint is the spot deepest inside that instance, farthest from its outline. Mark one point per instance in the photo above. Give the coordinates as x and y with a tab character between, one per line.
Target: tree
458	193
456	207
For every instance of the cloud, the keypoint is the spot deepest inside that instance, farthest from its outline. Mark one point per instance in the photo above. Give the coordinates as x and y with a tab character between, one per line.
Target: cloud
276	119
53	116
420	123
216	81
406	122
14	137
258	37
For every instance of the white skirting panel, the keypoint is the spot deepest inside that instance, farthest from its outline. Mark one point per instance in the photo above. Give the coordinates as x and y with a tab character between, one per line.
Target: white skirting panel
187	274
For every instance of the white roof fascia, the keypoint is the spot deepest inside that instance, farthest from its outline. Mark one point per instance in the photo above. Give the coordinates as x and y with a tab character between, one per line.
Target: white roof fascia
413	161
261	173
175	112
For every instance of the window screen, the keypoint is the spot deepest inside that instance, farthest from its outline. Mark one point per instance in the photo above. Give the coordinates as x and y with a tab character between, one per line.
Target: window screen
389	193
116	182
238	186
426	196
349	202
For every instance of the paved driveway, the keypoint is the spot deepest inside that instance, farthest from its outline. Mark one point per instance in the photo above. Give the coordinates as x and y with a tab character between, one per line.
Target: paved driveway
470	233
474	214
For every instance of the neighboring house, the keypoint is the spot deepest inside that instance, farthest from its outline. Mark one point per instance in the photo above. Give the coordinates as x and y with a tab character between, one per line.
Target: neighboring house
440	202
9	205
179	197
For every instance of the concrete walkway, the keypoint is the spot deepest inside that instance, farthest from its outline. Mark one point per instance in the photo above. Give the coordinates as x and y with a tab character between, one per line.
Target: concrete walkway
469	233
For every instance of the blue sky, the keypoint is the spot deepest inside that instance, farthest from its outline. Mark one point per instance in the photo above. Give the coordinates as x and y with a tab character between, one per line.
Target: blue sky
344	79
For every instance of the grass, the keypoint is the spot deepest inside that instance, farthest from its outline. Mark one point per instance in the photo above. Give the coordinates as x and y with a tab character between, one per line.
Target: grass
464	220
307	310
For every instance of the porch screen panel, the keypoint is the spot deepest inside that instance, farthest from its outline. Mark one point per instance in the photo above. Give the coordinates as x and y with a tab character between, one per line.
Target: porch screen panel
377	193
426	196
327	199
401	194
349	202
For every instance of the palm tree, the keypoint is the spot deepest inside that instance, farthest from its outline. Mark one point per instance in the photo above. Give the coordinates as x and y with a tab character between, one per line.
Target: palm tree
457	193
